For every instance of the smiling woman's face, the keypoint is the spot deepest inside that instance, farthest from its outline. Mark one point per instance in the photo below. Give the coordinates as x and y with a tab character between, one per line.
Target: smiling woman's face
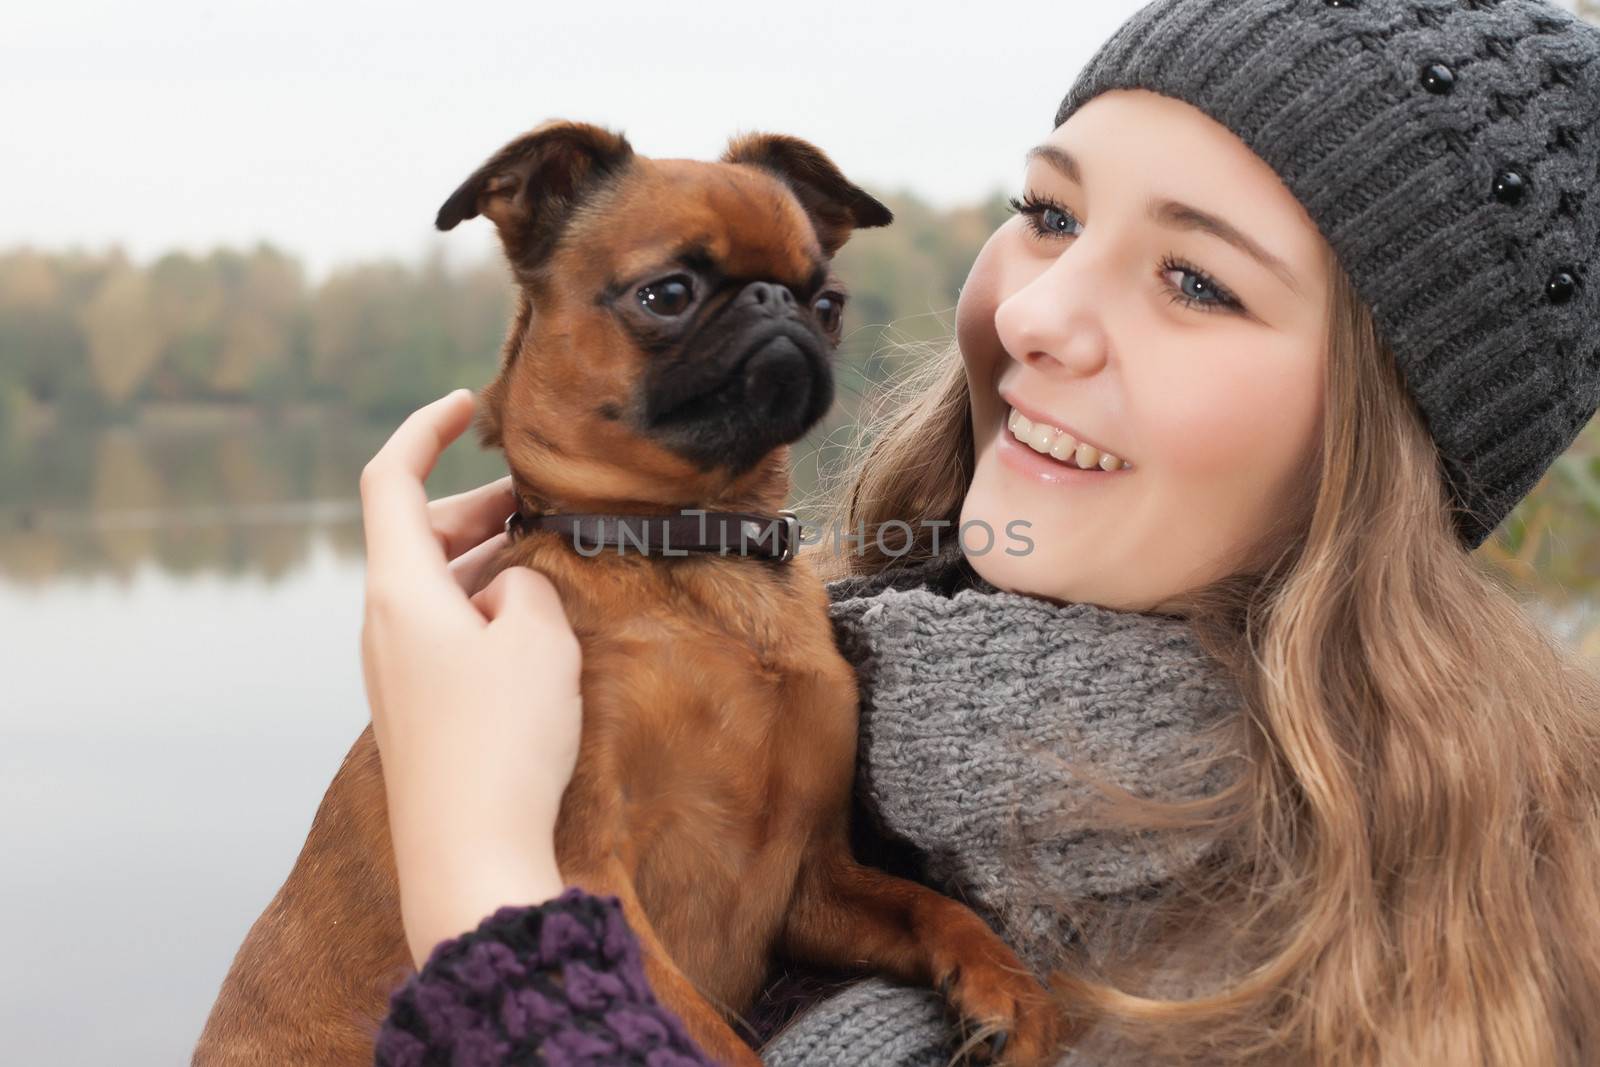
1136	329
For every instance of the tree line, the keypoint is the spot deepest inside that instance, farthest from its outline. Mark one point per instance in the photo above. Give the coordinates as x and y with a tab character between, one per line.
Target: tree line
94	336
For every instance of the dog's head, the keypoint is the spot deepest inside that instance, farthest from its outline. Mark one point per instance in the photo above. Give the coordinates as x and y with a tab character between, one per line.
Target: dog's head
677	318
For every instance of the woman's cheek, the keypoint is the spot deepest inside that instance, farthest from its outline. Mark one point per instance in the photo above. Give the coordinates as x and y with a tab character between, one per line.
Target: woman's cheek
1229	440
980	295
1003	265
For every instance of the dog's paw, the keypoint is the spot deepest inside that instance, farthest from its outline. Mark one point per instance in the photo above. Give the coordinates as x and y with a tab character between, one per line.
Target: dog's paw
1008	1017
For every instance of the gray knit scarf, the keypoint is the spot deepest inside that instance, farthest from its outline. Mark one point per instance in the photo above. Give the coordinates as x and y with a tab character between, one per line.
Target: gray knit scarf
965	688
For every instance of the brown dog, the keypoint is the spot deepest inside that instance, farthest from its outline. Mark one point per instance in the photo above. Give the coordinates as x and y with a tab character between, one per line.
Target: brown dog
674	334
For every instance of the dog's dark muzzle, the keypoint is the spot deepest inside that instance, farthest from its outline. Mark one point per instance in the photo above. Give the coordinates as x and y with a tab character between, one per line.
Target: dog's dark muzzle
776	377
757	376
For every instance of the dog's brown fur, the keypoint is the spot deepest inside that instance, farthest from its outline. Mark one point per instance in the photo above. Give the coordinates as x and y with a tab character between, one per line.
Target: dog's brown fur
714	778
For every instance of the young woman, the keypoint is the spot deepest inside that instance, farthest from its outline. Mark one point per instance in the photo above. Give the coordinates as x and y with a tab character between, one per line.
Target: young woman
1299	301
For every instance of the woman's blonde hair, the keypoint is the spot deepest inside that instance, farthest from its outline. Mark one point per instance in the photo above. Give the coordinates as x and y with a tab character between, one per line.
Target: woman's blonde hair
1406	866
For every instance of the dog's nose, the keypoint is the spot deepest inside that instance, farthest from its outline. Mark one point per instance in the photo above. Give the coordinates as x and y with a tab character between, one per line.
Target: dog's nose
777	299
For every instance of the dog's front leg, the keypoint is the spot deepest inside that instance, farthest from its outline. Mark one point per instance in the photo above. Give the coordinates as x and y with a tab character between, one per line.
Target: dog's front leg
850	916
671	986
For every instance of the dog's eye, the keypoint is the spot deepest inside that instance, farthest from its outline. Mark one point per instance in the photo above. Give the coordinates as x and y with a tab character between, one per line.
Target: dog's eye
829	308
667	297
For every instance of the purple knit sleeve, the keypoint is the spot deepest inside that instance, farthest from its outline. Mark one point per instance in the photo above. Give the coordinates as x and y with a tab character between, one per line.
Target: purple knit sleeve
559	983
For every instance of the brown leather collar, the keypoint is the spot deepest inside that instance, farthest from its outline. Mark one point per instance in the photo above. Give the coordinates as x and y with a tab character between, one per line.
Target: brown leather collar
743	534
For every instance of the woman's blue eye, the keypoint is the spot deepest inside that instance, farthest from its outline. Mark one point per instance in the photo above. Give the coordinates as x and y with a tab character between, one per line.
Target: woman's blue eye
1054	220
1047	219
1044	218
1221	299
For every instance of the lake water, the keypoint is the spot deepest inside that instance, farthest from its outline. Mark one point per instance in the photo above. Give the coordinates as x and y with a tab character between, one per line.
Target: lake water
166	742
181	612
181	616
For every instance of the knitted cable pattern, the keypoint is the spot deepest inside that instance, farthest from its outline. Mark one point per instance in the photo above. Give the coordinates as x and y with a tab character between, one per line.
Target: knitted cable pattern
967	693
560	984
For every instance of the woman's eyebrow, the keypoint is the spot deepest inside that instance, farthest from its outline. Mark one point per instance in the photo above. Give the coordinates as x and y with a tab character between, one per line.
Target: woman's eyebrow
1177	215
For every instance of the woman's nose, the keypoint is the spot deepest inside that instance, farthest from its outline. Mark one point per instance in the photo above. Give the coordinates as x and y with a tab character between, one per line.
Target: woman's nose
1055	323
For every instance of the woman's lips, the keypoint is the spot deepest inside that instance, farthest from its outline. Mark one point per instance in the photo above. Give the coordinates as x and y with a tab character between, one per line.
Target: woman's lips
1035	465
1034	415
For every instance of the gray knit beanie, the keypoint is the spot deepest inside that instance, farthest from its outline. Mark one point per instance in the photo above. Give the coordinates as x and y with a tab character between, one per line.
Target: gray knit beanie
1447	150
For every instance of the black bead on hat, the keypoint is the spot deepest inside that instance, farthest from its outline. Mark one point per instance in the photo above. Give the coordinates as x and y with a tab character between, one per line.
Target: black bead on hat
1447	150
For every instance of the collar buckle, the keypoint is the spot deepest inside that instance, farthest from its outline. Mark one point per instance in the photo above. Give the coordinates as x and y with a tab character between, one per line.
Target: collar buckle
791	541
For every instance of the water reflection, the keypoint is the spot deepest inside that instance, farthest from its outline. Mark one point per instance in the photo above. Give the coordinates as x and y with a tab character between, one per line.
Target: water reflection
242	499
230	500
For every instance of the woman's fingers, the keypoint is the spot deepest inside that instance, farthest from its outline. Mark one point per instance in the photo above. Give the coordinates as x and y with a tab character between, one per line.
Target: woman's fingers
468	569
523	595
467	519
394	505
523	605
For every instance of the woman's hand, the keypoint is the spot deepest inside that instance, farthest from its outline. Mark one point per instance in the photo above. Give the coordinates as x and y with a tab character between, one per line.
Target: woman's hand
475	699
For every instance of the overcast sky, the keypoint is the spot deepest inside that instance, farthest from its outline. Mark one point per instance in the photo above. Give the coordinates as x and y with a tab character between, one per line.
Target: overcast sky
335	129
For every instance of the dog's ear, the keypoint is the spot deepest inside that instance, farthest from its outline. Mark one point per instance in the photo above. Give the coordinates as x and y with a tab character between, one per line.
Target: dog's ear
835	205
529	186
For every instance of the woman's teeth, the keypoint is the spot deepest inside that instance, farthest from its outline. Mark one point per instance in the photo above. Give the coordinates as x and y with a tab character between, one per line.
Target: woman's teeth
1060	445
